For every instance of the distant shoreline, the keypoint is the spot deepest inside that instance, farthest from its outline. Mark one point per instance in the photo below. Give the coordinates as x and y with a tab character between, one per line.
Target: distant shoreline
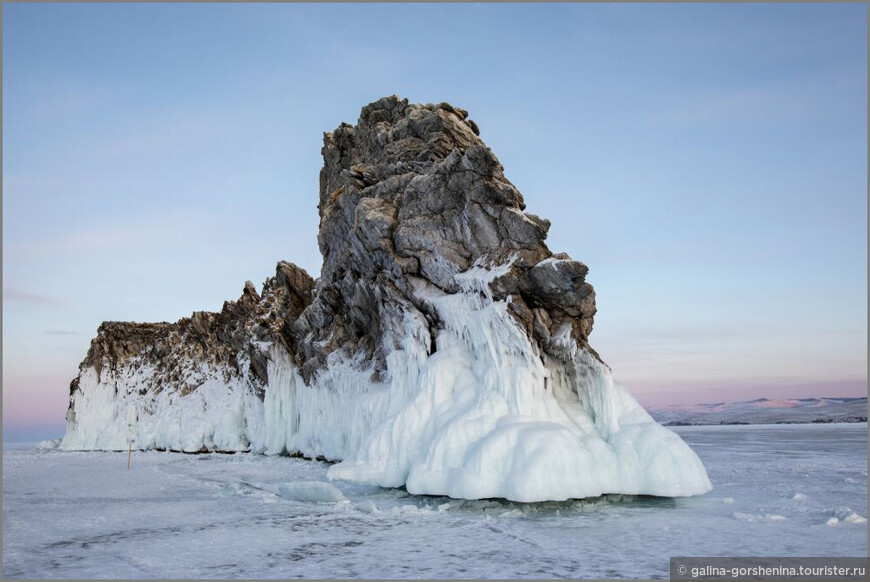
742	423
764	411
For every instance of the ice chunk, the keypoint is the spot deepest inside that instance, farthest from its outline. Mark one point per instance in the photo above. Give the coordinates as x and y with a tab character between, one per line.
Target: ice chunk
846	515
855	518
799	497
366	506
311	492
48	445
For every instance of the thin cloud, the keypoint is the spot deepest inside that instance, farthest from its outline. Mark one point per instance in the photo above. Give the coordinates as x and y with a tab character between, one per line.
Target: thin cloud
127	235
11	294
81	242
799	100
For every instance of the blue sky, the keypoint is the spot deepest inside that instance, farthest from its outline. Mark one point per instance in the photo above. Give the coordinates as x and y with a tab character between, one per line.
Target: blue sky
708	162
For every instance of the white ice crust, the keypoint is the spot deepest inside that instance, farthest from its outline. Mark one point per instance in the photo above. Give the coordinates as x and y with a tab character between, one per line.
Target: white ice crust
485	416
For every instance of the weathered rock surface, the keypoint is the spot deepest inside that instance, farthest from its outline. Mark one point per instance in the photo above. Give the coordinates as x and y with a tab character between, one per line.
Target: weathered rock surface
218	340
409	197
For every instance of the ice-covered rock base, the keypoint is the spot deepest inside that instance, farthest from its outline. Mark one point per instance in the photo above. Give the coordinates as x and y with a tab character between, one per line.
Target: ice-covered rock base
489	418
483	416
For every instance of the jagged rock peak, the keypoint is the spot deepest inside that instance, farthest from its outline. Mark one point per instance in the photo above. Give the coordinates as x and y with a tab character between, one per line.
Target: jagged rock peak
214	338
409	197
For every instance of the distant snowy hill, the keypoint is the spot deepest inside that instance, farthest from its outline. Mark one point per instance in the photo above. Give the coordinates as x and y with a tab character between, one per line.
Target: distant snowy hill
764	411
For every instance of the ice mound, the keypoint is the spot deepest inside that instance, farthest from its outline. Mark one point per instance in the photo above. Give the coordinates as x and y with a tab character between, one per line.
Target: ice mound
846	515
443	348
48	445
491	419
366	506
311	492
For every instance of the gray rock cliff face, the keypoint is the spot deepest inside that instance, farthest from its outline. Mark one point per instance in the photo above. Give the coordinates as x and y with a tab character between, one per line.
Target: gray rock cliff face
409	197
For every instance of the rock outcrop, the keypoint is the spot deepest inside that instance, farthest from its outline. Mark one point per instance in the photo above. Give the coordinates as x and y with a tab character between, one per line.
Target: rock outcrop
157	363
410	197
444	347
219	340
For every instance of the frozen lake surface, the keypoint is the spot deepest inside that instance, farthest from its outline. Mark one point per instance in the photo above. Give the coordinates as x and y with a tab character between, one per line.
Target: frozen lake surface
780	490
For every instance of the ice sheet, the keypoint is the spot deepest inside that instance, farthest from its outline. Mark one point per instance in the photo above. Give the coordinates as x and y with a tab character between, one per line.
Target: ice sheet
84	515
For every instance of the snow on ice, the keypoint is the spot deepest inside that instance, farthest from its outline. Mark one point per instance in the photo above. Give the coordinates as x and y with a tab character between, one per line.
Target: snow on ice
84	515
